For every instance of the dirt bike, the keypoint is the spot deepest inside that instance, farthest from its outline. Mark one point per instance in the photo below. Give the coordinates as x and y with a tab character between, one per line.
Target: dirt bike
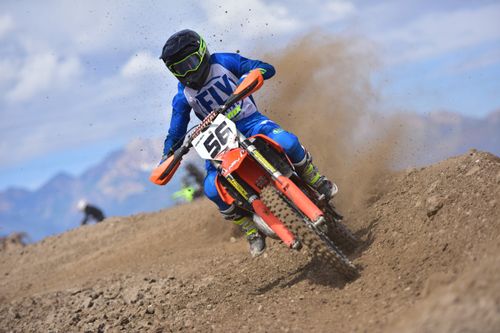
256	174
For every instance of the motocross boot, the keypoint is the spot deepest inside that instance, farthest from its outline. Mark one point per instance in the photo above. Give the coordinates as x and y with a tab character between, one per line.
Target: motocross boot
310	174
241	218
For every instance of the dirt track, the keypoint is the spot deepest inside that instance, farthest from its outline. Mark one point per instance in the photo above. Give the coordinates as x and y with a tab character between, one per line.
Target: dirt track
430	263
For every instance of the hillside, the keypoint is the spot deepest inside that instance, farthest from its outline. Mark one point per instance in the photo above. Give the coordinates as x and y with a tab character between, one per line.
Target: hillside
430	263
118	184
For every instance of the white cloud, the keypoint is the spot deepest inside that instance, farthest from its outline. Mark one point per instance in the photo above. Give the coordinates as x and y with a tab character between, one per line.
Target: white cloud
8	70
478	62
249	19
48	42
6	25
339	10
437	33
142	63
42	72
65	25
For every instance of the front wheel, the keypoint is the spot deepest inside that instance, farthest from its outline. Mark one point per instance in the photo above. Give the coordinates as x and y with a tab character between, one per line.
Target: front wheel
339	233
328	253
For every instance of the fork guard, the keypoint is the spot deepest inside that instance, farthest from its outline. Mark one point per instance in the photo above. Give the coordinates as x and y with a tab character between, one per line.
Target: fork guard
274	223
295	195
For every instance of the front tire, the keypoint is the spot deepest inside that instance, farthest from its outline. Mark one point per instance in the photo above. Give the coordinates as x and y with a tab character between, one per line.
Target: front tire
317	246
339	233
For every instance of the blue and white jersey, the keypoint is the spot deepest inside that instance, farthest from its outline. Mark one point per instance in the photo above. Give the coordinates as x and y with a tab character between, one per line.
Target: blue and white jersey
225	71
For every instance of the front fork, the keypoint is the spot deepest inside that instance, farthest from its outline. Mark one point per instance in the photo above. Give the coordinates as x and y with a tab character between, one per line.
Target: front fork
291	191
247	194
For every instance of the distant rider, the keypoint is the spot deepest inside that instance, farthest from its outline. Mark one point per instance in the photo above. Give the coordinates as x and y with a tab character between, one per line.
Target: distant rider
91	212
186	193
194	178
205	82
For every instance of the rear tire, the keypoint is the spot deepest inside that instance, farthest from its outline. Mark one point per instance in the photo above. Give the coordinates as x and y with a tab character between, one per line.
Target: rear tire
317	247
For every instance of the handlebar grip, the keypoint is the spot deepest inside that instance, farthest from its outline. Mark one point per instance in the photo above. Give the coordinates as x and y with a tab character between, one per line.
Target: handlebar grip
250	84
178	155
162	174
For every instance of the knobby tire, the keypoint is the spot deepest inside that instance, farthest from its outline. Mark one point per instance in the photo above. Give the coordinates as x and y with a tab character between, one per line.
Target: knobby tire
318	248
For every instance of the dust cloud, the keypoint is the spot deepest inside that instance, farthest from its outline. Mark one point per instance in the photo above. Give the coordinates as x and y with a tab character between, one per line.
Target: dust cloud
323	93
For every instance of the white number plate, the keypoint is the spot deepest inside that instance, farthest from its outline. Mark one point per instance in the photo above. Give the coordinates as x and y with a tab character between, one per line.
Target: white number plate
219	137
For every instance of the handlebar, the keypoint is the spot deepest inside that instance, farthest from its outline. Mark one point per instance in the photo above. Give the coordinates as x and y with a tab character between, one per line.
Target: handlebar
250	84
162	174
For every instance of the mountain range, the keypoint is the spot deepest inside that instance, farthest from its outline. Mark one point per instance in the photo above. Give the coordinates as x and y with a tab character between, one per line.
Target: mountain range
119	185
443	134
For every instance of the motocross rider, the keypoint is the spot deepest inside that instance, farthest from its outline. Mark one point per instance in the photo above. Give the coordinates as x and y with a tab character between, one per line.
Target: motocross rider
205	82
91	212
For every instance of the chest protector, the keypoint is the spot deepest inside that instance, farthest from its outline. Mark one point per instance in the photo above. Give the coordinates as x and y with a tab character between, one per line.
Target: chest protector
219	85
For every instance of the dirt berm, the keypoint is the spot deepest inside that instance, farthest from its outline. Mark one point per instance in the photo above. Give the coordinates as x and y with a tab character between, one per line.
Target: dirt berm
430	263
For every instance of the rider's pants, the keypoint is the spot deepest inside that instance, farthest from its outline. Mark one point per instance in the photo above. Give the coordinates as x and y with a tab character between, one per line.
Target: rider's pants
252	125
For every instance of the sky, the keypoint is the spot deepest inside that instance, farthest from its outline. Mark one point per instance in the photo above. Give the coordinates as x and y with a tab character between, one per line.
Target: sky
81	79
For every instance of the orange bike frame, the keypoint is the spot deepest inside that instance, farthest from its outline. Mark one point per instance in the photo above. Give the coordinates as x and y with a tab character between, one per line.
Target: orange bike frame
252	171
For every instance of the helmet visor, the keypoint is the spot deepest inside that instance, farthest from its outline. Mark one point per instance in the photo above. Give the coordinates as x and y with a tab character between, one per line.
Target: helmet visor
190	63
186	65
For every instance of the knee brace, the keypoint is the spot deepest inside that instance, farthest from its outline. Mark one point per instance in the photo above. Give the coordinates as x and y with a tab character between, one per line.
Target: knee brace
234	213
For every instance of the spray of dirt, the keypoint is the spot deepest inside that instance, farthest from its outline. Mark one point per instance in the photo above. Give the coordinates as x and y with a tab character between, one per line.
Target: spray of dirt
323	93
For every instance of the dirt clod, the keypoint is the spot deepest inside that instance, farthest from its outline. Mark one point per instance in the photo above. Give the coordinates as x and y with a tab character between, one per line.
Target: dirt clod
434	204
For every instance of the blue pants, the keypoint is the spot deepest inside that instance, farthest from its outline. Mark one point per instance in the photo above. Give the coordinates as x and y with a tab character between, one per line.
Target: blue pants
252	125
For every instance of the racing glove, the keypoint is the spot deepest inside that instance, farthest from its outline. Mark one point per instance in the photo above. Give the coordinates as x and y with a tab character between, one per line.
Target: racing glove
262	71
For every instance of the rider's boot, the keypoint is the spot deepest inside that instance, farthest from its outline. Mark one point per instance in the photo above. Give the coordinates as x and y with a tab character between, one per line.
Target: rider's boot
310	174
240	217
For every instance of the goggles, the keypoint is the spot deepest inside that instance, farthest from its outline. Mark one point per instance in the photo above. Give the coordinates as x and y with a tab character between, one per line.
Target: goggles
190	63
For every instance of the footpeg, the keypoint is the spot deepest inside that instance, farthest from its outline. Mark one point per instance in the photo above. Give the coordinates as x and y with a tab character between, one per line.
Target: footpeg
319	222
297	245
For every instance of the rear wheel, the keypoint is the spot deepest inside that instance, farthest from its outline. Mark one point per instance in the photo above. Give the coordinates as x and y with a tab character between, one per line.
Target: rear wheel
318	247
